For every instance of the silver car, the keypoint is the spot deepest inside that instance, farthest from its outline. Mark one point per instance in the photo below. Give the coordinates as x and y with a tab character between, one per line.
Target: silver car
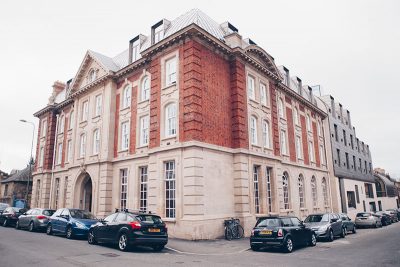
34	219
368	219
325	225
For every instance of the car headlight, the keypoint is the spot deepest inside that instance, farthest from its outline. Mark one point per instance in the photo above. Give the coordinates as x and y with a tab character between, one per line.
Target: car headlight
80	225
323	228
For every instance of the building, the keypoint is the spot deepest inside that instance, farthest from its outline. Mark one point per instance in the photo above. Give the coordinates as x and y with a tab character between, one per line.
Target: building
192	122
387	195
13	187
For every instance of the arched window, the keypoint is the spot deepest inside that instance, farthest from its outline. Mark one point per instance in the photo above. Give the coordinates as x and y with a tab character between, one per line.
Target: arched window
92	75
285	187
96	141
145	89
319	129
253	130
325	191
296	116
82	147
266	134
314	191
126	97
61	124
301	191
308	122
71	120
280	107
170	119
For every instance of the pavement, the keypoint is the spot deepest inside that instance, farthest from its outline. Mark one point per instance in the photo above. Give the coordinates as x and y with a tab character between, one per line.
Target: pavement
369	247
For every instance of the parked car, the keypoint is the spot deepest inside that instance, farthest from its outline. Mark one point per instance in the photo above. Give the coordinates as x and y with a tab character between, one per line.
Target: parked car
283	232
393	215
129	229
348	224
10	216
3	206
326	226
34	219
395	211
385	218
70	222
368	219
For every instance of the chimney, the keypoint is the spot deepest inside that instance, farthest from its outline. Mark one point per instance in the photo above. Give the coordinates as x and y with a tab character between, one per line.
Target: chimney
333	107
58	87
348	119
300	85
228	28
287	76
311	93
341	112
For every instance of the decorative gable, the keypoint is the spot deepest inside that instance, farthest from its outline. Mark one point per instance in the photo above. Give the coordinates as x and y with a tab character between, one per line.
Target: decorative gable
263	59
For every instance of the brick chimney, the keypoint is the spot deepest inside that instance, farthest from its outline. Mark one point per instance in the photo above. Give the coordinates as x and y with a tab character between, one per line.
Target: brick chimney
58	87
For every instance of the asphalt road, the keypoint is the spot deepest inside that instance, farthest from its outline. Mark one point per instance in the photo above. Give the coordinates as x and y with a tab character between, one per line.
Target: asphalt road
369	247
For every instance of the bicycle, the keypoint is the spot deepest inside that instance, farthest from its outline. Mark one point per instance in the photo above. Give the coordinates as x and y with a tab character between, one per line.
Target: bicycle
233	229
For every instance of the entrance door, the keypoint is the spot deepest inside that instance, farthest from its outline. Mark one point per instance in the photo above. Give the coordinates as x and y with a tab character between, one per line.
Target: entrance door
85	193
372	206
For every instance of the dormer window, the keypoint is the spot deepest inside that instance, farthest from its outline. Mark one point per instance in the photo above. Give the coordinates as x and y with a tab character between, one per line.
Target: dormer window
135	50
158	33
92	75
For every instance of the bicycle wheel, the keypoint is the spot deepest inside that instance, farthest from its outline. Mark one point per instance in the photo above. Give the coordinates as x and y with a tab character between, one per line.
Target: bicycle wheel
239	231
228	233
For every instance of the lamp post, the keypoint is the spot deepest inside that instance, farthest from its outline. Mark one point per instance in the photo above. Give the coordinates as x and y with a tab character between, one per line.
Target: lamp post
30	161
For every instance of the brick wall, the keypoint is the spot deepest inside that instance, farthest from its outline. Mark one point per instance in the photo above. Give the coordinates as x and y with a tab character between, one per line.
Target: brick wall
155	103
132	136
304	139
39	135
50	138
316	144
116	125
291	136
275	125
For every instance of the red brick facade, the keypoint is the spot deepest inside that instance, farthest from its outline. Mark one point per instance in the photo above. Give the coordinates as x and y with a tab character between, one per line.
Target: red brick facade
304	139
275	126
316	144
132	135
50	139
116	125
291	136
155	103
64	146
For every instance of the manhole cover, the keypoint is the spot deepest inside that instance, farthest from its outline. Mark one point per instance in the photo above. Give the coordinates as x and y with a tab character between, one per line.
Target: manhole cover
110	255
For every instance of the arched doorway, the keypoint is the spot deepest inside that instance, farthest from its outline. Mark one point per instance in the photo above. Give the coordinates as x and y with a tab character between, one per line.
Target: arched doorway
84	192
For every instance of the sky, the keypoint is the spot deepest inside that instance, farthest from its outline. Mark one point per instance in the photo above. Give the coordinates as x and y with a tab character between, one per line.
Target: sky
350	48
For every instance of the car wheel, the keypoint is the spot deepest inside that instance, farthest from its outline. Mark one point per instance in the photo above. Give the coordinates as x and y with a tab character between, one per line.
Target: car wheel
158	247
313	240
91	238
17	225
354	229
5	223
343	233
330	236
255	247
49	229
31	227
123	242
69	234
288	245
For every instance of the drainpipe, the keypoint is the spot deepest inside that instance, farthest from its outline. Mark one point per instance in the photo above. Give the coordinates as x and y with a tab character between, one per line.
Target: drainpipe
52	167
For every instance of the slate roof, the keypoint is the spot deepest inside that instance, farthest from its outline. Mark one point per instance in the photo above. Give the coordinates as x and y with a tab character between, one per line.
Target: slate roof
19	176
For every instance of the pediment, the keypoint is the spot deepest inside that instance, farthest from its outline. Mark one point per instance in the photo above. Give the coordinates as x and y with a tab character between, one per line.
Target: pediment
262	58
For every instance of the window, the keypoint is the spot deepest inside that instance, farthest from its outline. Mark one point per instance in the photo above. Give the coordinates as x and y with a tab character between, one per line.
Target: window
325	192
96	142
250	88
338	157
38	193
92	75
41	157
263	94
82	149
60	124
351	141
280	107
56	192
314	191
145	89
308	120
71	120
365	165
319	128
85	111
59	153
298	147
357	194
69	151
354	163
321	154
253	130
158	33
124	188
379	205
135	50
369	192
44	128
301	191
124	135
6	190
283	143
126	97
144	130
359	167
336	132
311	151
170	209
351	201
170	120
170	66
269	188
65	189
296	116
285	187
256	192
344	138
266	134
347	160
98	101
143	189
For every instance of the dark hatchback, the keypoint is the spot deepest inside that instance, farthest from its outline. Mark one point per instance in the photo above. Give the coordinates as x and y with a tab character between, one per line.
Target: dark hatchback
128	229
10	216
283	232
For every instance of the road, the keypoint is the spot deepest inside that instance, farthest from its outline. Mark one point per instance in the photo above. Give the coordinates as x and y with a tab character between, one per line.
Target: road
369	247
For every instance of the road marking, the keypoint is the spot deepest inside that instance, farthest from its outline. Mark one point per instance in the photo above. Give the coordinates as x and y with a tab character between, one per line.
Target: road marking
207	254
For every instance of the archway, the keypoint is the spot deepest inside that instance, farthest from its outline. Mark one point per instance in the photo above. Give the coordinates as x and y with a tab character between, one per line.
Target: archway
84	192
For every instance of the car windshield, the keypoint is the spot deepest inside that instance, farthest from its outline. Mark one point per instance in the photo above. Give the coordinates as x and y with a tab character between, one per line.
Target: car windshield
81	214
363	214
48	212
317	218
270	222
149	219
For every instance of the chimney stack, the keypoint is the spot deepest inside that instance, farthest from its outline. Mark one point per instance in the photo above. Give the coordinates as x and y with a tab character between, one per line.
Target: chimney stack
58	87
333	107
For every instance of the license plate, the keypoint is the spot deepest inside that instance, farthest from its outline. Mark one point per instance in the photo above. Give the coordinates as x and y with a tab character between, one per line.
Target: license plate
154	230
266	232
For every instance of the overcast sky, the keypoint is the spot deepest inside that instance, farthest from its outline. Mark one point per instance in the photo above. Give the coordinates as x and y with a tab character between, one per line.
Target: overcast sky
351	48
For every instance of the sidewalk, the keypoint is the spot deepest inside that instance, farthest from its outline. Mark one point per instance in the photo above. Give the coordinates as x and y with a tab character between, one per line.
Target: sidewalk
208	247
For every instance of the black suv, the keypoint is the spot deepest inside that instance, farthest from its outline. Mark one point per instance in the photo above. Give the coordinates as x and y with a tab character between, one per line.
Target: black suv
127	228
284	232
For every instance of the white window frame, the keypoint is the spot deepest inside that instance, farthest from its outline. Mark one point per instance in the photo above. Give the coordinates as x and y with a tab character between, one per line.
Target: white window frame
319	128
170	119
158	33
324	186
263	94
308	122
41	156
266	134
56	192
61	124
59	153
314	192
286	191
145	89
321	154
170	189
92	75
280	108
44	128
283	143
268	171
98	105
123	173
251	87
256	188
125	131
71	120
96	141
144	125
126	96
135	50
298	147
301	191
85	110
143	179
69	150
253	130
82	145
311	151
296	116
171	71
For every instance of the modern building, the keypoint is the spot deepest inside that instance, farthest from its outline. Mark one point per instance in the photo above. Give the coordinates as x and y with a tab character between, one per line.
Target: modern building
352	162
13	187
192	122
387	195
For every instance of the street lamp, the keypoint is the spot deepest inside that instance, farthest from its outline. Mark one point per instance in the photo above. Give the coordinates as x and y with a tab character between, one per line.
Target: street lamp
30	161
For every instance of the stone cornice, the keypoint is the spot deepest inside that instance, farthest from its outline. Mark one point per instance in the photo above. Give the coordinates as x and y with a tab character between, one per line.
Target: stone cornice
44	110
91	85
